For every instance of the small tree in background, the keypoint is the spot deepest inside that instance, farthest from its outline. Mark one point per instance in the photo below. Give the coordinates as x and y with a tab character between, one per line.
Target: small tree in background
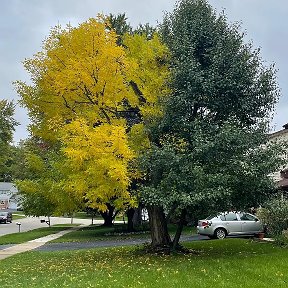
7	127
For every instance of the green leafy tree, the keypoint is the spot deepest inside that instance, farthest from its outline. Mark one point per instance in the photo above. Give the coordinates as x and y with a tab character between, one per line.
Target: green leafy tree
7	127
41	180
119	24
210	149
15	164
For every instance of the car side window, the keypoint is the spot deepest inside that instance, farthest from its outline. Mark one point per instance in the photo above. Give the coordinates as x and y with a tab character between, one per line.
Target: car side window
248	217
222	217
231	217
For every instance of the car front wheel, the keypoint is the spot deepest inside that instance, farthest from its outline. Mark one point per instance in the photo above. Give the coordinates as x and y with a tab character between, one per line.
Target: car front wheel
220	233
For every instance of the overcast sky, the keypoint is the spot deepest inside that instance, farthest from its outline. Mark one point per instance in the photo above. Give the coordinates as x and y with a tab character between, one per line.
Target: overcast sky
25	23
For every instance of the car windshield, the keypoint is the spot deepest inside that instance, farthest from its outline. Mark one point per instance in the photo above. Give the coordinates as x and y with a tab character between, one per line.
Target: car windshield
3	213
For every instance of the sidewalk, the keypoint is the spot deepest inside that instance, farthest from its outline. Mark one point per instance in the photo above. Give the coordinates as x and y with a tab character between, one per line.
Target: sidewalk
30	245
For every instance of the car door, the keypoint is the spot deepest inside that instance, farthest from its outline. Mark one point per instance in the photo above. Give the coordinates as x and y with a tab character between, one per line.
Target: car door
250	223
232	223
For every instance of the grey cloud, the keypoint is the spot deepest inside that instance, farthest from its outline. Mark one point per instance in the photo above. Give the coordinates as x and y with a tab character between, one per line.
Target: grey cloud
25	23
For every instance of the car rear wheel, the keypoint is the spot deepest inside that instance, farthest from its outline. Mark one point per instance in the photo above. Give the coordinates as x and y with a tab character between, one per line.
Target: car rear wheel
220	233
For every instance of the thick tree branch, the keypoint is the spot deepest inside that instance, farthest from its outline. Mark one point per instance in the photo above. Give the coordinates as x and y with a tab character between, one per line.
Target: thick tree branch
138	92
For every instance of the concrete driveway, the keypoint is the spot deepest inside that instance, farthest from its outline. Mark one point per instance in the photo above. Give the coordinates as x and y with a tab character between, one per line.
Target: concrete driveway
30	223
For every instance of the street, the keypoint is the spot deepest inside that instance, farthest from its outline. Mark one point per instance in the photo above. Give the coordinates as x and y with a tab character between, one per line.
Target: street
30	223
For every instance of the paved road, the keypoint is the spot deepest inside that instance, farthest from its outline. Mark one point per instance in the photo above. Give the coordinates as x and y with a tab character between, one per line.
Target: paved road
107	243
30	223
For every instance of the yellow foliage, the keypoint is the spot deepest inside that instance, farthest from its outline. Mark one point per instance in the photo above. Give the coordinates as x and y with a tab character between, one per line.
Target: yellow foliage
82	82
149	71
138	138
35	163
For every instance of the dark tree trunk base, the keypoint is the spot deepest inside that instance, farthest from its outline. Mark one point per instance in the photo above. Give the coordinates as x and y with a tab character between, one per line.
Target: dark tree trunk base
167	250
159	230
109	215
107	224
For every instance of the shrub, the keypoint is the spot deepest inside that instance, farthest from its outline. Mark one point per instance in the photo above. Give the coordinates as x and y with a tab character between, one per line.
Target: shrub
274	214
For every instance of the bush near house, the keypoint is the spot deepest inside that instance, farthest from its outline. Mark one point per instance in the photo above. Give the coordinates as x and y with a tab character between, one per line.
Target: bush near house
274	214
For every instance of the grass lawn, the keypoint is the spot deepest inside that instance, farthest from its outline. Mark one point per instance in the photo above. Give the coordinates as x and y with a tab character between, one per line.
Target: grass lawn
17	238
84	215
217	263
96	232
17	216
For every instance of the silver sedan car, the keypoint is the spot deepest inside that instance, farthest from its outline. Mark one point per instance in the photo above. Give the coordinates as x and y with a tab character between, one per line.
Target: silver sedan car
230	224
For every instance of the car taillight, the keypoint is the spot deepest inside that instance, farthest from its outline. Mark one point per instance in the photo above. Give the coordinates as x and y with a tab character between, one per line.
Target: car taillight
205	224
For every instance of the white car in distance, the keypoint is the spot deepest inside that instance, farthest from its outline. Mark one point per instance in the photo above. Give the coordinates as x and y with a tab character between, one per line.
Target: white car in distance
230	224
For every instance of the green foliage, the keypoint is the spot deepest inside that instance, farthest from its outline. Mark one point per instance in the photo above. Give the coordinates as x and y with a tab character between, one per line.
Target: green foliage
217	76
274	214
210	149
7	122
7	127
40	184
119	24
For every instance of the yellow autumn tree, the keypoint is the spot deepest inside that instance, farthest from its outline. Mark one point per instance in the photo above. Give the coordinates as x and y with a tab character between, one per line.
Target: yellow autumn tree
84	85
148	77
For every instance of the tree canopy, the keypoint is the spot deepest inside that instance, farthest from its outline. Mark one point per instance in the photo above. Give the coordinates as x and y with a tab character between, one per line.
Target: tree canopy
84	86
210	147
185	109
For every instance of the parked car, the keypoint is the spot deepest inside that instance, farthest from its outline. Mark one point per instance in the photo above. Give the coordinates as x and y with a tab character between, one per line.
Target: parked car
5	217
230	224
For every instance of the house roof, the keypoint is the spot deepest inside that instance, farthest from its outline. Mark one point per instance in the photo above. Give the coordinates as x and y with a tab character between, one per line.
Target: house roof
280	132
6	186
283	183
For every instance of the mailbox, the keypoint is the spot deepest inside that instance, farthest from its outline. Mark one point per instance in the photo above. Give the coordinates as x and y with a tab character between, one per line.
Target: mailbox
19	226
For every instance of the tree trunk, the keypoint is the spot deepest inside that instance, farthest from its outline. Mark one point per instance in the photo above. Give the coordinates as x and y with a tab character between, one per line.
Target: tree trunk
134	216
179	229
137	217
130	214
159	230
109	215
108	221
